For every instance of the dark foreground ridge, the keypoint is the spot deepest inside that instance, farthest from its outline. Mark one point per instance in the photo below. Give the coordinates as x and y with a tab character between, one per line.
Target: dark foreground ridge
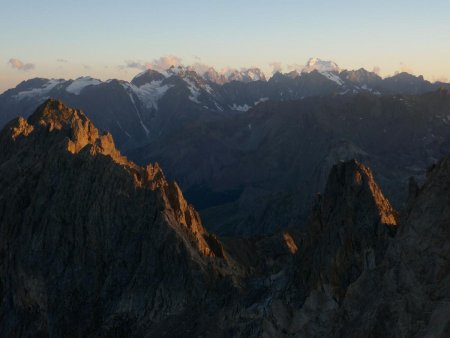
90	242
93	245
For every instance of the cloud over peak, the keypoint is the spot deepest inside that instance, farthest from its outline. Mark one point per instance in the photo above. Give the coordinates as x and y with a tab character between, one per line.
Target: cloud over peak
160	64
165	62
276	67
20	65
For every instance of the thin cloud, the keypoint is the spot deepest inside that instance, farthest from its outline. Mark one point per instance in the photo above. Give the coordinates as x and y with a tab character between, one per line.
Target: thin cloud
20	65
440	79
134	64
227	71
159	64
165	62
62	60
277	67
87	67
404	68
200	68
376	70
295	66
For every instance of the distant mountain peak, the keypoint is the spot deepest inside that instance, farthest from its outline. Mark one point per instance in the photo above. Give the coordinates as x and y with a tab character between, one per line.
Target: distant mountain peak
213	75
247	75
320	65
77	85
361	76
147	76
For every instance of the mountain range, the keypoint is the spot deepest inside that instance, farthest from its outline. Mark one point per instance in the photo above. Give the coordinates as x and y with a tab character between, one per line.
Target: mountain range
259	147
94	245
138	111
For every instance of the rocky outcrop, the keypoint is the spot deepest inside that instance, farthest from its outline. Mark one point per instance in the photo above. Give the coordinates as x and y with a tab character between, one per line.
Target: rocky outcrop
90	243
362	270
349	231
348	234
408	295
301	278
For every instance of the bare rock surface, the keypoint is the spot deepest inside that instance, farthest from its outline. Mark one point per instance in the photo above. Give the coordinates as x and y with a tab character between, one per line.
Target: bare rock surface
409	294
90	243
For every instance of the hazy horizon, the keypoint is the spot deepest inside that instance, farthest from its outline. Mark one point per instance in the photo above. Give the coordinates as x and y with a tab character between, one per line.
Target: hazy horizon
56	39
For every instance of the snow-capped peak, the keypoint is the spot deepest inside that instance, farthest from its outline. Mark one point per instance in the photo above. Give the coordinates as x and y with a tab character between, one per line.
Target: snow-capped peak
41	91
320	65
147	76
255	74
213	76
82	82
247	75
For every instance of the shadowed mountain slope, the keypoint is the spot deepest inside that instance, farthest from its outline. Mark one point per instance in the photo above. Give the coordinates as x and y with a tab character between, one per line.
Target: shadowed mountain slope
259	172
91	243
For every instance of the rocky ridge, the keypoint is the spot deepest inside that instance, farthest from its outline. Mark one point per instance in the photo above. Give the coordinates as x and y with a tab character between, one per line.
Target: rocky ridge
408	295
91	242
135	112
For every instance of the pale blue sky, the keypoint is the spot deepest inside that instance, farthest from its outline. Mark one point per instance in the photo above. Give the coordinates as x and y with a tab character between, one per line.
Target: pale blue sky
96	37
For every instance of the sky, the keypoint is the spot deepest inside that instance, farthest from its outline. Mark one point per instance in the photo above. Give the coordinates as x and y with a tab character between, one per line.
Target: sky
117	39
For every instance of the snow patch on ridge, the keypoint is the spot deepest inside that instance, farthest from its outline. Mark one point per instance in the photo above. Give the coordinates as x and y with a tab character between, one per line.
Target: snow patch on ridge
195	91
150	93
218	106
79	84
242	108
38	92
121	128
262	99
139	115
333	77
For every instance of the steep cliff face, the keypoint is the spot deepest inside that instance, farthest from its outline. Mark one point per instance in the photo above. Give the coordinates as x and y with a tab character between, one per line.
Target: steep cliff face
302	284
347	235
360	269
364	271
90	243
409	294
350	228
